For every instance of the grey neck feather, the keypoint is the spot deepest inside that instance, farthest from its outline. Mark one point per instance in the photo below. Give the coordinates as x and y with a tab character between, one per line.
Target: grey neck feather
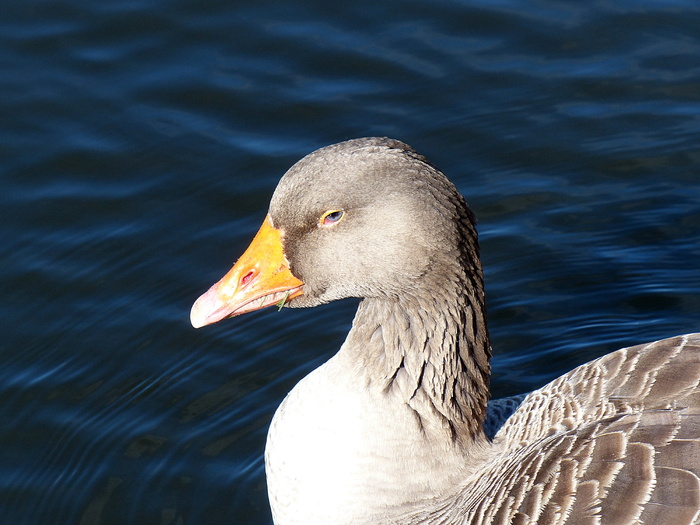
433	356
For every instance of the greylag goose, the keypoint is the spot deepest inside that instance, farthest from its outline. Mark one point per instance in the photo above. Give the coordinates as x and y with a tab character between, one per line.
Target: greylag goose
391	428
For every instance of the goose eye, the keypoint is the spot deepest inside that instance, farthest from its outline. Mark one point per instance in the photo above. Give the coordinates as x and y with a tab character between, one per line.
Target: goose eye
331	217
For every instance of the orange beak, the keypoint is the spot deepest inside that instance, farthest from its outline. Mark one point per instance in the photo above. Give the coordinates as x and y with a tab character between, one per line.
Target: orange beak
260	278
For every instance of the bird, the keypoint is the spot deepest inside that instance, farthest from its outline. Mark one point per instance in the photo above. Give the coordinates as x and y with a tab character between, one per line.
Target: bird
397	426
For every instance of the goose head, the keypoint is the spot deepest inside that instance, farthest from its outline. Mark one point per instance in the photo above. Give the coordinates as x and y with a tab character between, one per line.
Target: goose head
365	218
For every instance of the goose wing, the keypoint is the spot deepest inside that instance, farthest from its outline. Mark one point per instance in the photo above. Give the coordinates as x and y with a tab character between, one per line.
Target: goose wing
615	441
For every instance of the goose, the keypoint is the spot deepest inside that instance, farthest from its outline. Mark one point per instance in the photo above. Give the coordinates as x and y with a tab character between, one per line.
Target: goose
394	428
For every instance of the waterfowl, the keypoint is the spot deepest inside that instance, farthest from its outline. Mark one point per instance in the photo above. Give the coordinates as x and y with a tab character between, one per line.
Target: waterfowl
391	429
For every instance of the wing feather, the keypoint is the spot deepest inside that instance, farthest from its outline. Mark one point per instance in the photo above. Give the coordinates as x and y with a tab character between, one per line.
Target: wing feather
615	441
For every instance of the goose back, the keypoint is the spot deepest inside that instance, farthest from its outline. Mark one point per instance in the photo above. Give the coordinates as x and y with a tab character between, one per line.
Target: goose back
614	441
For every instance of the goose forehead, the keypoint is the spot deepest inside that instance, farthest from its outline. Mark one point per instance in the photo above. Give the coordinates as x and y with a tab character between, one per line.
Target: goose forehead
304	195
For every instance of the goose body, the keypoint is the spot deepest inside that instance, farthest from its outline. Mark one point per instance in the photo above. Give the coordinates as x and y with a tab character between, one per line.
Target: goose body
391	430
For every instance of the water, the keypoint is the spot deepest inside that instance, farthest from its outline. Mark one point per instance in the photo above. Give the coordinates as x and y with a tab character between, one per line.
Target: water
141	141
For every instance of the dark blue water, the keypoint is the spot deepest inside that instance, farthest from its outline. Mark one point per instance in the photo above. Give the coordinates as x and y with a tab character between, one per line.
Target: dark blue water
139	145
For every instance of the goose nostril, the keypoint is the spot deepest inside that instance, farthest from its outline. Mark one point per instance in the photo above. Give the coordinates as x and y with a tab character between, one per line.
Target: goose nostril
247	277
